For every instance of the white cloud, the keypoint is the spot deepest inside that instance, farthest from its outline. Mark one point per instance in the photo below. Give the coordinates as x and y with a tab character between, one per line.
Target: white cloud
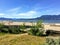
29	13
14	9
1	14
17	13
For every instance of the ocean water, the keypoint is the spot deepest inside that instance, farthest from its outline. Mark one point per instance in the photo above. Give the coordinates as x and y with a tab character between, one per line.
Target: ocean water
44	21
51	21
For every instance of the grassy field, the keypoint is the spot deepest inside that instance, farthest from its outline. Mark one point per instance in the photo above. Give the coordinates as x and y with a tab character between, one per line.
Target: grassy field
18	39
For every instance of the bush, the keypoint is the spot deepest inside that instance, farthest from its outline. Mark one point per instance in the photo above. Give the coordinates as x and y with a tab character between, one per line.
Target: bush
37	29
40	32
14	30
23	26
4	30
39	24
1	26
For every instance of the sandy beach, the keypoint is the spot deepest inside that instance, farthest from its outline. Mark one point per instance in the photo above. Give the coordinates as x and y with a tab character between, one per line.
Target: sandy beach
17	23
52	26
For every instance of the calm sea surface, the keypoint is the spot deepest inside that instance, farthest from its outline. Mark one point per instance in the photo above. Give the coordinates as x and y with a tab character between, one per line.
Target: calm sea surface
44	21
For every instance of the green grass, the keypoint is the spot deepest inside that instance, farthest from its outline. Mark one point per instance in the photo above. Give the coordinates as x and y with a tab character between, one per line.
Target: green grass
18	39
2	34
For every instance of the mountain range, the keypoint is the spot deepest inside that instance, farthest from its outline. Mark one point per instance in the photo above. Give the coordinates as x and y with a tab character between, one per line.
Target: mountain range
43	17
49	17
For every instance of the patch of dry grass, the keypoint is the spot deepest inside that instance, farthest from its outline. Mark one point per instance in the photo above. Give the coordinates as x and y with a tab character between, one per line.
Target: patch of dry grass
18	39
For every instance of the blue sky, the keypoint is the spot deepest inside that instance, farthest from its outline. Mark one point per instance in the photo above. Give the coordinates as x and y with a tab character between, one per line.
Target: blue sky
28	8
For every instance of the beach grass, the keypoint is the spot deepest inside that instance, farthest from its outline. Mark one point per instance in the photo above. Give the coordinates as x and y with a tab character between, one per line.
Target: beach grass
18	39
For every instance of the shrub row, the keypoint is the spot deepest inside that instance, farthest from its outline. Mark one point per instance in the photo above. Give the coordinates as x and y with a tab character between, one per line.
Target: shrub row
35	29
14	30
11	29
